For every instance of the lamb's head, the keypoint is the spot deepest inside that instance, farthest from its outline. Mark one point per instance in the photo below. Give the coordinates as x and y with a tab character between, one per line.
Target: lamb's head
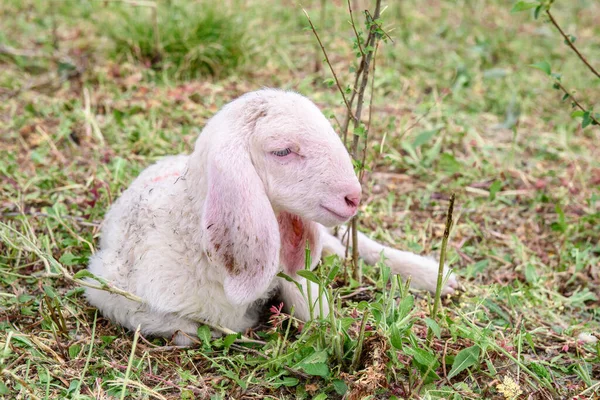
302	163
273	166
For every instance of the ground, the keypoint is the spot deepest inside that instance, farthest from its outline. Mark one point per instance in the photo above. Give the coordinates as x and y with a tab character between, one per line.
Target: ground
456	108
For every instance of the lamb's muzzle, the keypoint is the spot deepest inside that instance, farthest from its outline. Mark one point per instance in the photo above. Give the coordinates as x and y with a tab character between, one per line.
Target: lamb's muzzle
202	237
346	208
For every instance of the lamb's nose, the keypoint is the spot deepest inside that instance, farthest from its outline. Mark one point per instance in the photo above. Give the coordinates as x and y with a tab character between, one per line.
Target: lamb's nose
352	197
352	201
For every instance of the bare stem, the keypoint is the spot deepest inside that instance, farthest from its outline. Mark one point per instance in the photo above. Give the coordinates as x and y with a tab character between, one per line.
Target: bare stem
357	272
361	340
571	44
440	278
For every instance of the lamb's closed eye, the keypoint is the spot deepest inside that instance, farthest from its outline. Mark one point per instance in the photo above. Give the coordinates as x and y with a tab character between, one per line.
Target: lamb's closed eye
282	153
286	156
209	246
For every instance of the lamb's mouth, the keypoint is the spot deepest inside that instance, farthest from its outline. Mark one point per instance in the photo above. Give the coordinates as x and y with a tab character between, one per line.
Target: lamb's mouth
337	215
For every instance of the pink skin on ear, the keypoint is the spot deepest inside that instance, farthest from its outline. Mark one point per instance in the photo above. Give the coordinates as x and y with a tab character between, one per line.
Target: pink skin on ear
241	232
294	232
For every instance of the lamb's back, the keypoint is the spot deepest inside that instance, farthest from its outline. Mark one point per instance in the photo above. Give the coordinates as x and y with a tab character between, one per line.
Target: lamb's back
146	210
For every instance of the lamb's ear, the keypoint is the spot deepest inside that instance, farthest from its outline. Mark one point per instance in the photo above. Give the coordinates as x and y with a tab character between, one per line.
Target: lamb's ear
295	232
241	230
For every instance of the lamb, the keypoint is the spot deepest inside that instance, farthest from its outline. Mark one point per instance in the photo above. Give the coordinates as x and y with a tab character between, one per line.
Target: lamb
203	237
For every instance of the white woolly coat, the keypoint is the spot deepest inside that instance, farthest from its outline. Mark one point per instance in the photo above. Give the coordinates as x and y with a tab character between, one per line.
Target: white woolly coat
202	237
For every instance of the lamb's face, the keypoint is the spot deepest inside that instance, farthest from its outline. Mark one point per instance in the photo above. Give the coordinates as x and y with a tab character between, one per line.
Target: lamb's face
303	164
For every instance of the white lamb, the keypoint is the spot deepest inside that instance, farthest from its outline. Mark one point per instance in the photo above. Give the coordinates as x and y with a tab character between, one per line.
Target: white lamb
202	237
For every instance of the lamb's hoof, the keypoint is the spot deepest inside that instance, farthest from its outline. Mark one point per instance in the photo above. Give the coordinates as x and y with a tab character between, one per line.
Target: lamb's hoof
451	286
428	275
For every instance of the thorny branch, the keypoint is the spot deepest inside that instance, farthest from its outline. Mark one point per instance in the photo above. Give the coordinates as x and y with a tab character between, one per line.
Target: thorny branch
361	66
569	42
354	28
578	104
362	76
367	57
366	63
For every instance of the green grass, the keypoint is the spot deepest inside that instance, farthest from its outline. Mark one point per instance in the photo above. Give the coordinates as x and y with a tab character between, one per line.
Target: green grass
212	43
457	109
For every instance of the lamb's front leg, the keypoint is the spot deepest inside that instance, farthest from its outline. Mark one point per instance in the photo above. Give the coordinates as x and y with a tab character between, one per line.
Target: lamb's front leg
422	270
292	297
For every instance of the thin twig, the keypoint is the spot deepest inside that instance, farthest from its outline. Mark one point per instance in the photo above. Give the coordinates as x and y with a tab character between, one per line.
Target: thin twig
354	29
560	85
337	82
379	26
571	44
89	356
417	389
